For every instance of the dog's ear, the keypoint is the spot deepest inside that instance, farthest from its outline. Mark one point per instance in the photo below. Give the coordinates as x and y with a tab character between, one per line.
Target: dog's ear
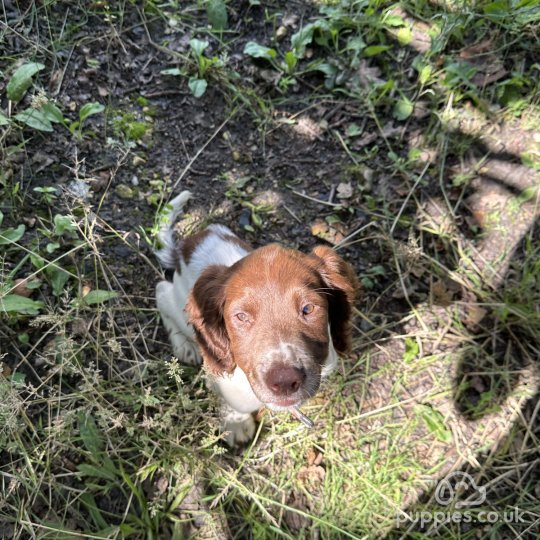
343	286
204	307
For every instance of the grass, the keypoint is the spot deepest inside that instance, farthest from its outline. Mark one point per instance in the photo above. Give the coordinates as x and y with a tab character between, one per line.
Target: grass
102	434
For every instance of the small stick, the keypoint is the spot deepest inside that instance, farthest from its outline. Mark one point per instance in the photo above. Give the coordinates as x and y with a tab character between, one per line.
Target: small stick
301	417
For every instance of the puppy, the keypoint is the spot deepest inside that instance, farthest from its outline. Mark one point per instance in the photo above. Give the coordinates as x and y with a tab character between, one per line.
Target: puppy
267	323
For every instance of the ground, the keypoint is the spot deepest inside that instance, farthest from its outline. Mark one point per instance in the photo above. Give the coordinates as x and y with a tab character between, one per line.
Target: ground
404	136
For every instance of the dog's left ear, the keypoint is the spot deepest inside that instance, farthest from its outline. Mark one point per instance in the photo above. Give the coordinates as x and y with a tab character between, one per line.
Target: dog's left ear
340	278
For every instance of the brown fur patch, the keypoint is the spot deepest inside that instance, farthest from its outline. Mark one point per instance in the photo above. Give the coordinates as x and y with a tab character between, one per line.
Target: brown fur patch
190	244
233	239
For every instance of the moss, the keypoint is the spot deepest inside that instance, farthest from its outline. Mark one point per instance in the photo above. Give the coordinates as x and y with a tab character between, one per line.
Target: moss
127	124
142	101
136	130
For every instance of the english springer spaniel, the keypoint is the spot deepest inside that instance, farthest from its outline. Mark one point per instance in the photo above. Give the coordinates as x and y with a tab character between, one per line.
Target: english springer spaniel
267	322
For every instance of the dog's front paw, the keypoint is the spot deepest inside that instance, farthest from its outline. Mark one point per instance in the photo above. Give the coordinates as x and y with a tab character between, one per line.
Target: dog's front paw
185	350
191	354
238	428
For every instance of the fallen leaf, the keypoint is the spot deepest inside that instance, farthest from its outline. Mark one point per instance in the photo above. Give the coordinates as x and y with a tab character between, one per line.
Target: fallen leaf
313	475
440	294
490	67
5	370
473	315
333	234
344	190
368	76
20	288
308	128
314	457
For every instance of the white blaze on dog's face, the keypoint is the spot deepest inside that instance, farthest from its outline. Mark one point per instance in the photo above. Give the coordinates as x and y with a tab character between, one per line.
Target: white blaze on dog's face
274	314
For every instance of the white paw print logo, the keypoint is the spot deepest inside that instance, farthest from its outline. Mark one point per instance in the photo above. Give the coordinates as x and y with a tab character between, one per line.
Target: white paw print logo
458	482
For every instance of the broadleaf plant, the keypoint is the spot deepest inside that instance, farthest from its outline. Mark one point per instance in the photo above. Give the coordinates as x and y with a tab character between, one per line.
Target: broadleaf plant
21	80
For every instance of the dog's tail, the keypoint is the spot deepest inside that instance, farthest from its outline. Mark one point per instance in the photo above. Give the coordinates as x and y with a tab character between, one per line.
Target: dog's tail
167	254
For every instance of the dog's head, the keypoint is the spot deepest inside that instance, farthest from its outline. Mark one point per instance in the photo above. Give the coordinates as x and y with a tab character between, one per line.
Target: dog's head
274	314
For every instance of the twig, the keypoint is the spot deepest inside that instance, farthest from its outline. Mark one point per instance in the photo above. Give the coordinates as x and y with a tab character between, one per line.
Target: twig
203	147
407	198
292	214
343	242
334	205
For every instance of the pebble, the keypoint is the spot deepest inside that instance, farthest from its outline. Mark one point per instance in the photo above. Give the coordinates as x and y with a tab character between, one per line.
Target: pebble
124	191
245	217
79	189
137	160
281	32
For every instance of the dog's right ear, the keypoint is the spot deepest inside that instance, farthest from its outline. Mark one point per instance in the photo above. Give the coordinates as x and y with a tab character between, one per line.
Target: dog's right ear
204	307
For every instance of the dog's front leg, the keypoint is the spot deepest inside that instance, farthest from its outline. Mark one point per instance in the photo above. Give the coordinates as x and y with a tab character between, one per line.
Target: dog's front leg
238	405
237	427
171	302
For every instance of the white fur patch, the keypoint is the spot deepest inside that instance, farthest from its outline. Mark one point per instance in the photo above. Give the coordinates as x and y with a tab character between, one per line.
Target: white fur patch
172	297
236	391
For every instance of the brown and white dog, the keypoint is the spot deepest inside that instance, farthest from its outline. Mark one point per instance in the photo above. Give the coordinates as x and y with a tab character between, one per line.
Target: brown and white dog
268	322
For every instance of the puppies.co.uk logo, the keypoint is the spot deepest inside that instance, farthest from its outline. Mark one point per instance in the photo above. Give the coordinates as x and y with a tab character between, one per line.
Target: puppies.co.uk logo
449	489
460	492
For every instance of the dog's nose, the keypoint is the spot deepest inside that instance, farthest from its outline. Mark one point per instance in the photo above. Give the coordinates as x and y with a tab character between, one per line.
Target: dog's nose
284	380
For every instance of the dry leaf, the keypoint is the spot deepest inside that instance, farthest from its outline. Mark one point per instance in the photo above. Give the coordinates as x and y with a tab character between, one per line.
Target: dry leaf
313	475
368	76
333	234
344	190
314	457
308	128
21	289
440	294
473	315
5	370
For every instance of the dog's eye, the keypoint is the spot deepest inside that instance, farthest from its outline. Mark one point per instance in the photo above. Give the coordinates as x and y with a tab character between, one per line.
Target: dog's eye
307	309
242	317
